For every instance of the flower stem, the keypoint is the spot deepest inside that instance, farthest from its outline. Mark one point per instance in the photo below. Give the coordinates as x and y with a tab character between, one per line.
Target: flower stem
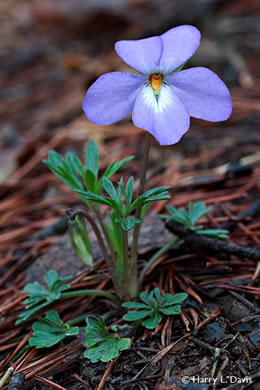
126	285
156	256
80	293
134	247
101	222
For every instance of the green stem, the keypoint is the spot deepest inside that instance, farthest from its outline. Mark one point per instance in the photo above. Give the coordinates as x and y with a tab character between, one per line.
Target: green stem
134	247
126	279
156	256
101	221
79	293
77	320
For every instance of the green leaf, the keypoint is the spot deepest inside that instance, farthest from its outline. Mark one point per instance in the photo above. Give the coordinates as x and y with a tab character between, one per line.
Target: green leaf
29	313
155	198
44	339
196	211
65	176
127	223
215	233
111	170
74	165
137	315
156	191
172	310
51	323
157	294
50	330
121	191
96	198
90	180
135	305
101	344
55	159
129	190
159	193
110	189
115	166
152	322
51	278
169	299
92	158
145	297
154	303
40	297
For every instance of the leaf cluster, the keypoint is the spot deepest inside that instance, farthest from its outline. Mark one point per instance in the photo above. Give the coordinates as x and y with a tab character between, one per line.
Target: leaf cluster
50	330
101	344
153	304
190	218
40	297
121	200
78	176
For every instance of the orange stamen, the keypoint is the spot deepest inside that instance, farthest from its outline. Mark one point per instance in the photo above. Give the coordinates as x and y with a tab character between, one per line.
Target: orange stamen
156	81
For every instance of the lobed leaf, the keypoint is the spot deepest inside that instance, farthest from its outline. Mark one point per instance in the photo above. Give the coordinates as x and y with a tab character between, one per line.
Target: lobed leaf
50	330
101	344
151	323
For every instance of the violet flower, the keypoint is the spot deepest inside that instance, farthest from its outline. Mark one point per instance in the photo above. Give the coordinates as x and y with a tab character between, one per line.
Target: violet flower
161	97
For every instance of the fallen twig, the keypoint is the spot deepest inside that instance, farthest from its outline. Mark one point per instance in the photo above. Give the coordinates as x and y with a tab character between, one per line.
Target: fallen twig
200	242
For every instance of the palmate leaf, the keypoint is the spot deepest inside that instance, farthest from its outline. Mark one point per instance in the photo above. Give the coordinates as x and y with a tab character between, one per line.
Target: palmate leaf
101	344
154	304
50	330
196	211
40	297
191	217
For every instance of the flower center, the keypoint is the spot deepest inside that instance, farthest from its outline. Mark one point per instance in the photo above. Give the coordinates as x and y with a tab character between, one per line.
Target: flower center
156	81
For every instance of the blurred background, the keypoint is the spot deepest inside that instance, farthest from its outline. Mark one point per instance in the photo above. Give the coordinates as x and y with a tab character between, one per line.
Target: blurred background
51	51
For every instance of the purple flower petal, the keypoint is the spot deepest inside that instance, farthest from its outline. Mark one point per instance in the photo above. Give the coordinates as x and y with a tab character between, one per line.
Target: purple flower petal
179	44
111	97
142	54
204	94
166	118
